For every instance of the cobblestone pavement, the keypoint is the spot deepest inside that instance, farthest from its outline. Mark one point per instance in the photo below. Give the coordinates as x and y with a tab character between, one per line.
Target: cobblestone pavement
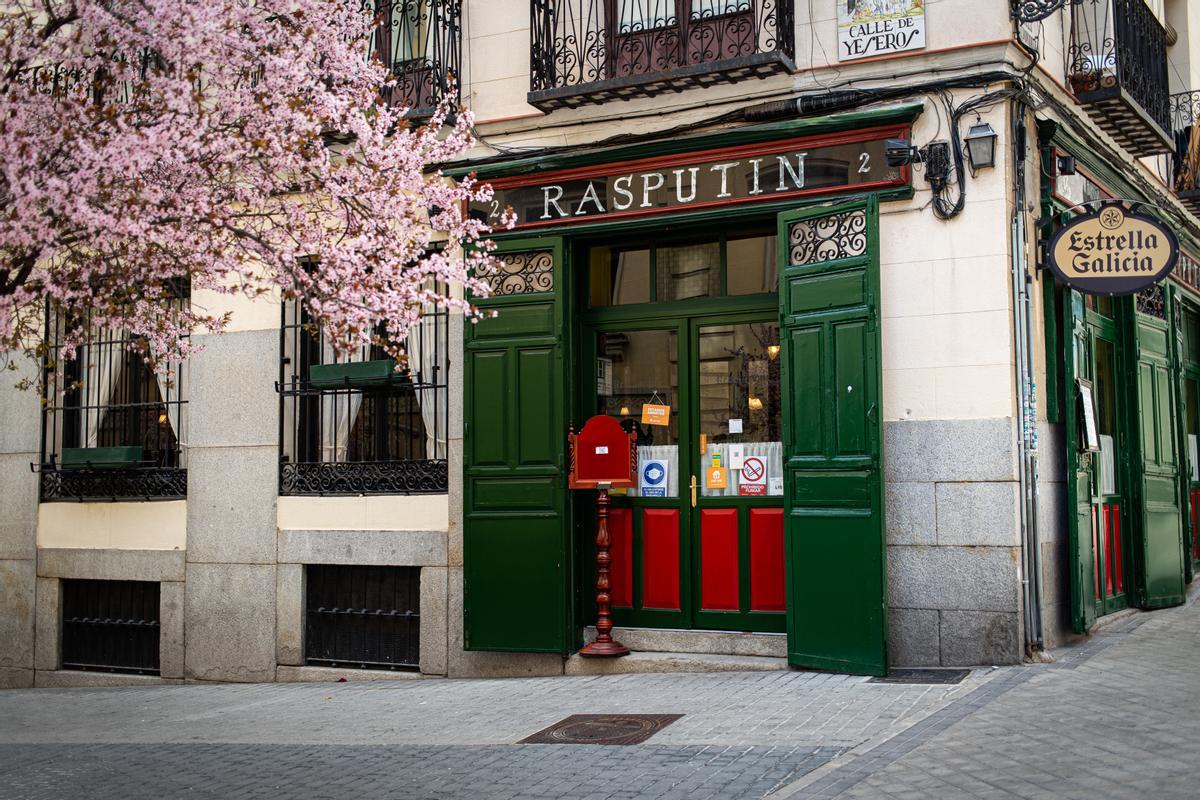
1118	717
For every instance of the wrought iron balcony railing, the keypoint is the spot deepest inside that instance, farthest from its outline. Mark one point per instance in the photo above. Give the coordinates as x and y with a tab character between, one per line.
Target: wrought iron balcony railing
1185	161
420	41
1117	68
591	51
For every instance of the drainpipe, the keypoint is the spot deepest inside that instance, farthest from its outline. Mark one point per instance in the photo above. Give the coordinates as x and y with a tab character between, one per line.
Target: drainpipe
1027	439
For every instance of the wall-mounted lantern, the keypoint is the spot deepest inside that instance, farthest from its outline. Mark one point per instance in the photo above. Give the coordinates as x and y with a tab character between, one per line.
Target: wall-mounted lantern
981	146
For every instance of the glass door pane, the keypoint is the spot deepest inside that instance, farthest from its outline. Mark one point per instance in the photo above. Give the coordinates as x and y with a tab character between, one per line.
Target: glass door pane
740	408
637	382
738	563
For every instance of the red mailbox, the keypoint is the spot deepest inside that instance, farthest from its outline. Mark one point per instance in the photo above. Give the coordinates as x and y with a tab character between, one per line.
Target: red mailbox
602	454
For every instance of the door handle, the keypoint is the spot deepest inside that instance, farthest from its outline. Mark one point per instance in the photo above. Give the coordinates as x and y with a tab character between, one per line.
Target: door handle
693	491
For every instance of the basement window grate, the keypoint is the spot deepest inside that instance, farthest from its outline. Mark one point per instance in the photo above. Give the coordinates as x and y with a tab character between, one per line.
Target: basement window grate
110	626
359	617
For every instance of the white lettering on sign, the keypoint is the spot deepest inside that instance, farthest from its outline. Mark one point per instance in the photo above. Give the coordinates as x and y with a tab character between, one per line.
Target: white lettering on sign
778	170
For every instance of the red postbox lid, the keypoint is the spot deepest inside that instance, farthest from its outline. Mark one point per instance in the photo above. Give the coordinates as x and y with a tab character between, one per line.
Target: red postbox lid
602	453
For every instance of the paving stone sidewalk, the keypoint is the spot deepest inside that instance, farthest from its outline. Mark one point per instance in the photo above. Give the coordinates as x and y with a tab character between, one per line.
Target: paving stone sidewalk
1117	717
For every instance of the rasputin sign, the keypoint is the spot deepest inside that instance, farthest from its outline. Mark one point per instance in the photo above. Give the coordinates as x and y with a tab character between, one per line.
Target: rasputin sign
1113	251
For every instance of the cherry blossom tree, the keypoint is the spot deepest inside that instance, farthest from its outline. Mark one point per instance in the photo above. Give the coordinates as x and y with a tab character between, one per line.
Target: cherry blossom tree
241	146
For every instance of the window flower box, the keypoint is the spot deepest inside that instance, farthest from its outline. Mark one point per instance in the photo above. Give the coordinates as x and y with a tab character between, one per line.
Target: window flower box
101	457
353	374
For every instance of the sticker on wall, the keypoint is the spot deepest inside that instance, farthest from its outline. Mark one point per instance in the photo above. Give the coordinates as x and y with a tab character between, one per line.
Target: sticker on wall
753	480
652	481
876	27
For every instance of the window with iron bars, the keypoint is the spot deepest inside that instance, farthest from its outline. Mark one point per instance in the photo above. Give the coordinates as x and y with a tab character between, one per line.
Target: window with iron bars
114	426
356	425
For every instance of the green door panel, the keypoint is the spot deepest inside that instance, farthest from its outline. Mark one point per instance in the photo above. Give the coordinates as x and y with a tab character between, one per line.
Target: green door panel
486	443
833	481
1159	556
1080	515
516	521
512	569
806	395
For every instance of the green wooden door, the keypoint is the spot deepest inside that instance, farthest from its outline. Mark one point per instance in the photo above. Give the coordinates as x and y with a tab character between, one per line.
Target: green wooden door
515	516
833	480
1082	519
1159	550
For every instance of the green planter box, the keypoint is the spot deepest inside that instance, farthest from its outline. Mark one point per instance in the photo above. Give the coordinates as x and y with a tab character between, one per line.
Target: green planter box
100	457
352	373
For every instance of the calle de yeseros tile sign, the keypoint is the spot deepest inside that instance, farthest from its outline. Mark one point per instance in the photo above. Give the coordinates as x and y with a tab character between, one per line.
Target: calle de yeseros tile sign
1113	250
877	27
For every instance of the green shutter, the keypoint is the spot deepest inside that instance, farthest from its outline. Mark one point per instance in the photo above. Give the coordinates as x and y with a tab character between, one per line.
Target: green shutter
515	519
1158	553
1076	364
833	478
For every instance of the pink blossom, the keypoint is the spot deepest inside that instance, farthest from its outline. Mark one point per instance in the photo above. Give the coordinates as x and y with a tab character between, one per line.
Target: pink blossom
228	144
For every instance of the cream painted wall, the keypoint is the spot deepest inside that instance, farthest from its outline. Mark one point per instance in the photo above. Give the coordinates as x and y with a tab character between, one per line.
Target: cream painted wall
416	513
115	526
247	314
496	49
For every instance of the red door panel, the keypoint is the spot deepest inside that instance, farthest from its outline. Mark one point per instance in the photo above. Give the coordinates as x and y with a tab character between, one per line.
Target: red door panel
620	532
719	559
766	559
660	558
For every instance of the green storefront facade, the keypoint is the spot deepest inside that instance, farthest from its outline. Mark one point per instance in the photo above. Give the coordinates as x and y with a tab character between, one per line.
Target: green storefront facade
1131	506
755	318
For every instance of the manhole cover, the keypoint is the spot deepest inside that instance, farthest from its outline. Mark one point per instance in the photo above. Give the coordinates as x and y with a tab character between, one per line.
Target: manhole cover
923	676
602	729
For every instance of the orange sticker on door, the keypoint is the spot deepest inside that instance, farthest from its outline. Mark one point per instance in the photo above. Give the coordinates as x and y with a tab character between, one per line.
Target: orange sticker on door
654	414
715	478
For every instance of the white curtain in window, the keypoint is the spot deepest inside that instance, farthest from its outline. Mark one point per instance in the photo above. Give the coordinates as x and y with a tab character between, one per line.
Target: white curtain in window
101	365
643	15
339	410
661	452
427	346
770	452
174	410
1108	465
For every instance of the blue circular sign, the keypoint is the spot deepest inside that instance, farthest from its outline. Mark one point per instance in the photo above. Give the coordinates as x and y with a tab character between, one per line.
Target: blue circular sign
653	474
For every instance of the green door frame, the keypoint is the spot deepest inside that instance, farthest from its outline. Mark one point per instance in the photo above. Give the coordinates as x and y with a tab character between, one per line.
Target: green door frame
685	317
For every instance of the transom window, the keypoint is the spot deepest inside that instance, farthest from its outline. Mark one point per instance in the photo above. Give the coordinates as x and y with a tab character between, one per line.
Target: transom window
358	425
687	270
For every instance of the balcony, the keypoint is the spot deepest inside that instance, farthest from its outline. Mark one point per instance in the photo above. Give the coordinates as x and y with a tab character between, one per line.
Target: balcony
593	51
421	43
1185	113
1117	69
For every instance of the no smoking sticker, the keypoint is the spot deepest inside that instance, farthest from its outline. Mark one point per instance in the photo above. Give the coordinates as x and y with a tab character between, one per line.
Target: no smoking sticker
753	477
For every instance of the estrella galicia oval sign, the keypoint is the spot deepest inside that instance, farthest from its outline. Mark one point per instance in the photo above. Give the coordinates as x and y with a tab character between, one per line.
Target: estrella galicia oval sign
1113	251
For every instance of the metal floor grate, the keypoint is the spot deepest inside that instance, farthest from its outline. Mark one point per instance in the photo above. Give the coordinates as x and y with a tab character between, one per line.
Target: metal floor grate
602	729
935	676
